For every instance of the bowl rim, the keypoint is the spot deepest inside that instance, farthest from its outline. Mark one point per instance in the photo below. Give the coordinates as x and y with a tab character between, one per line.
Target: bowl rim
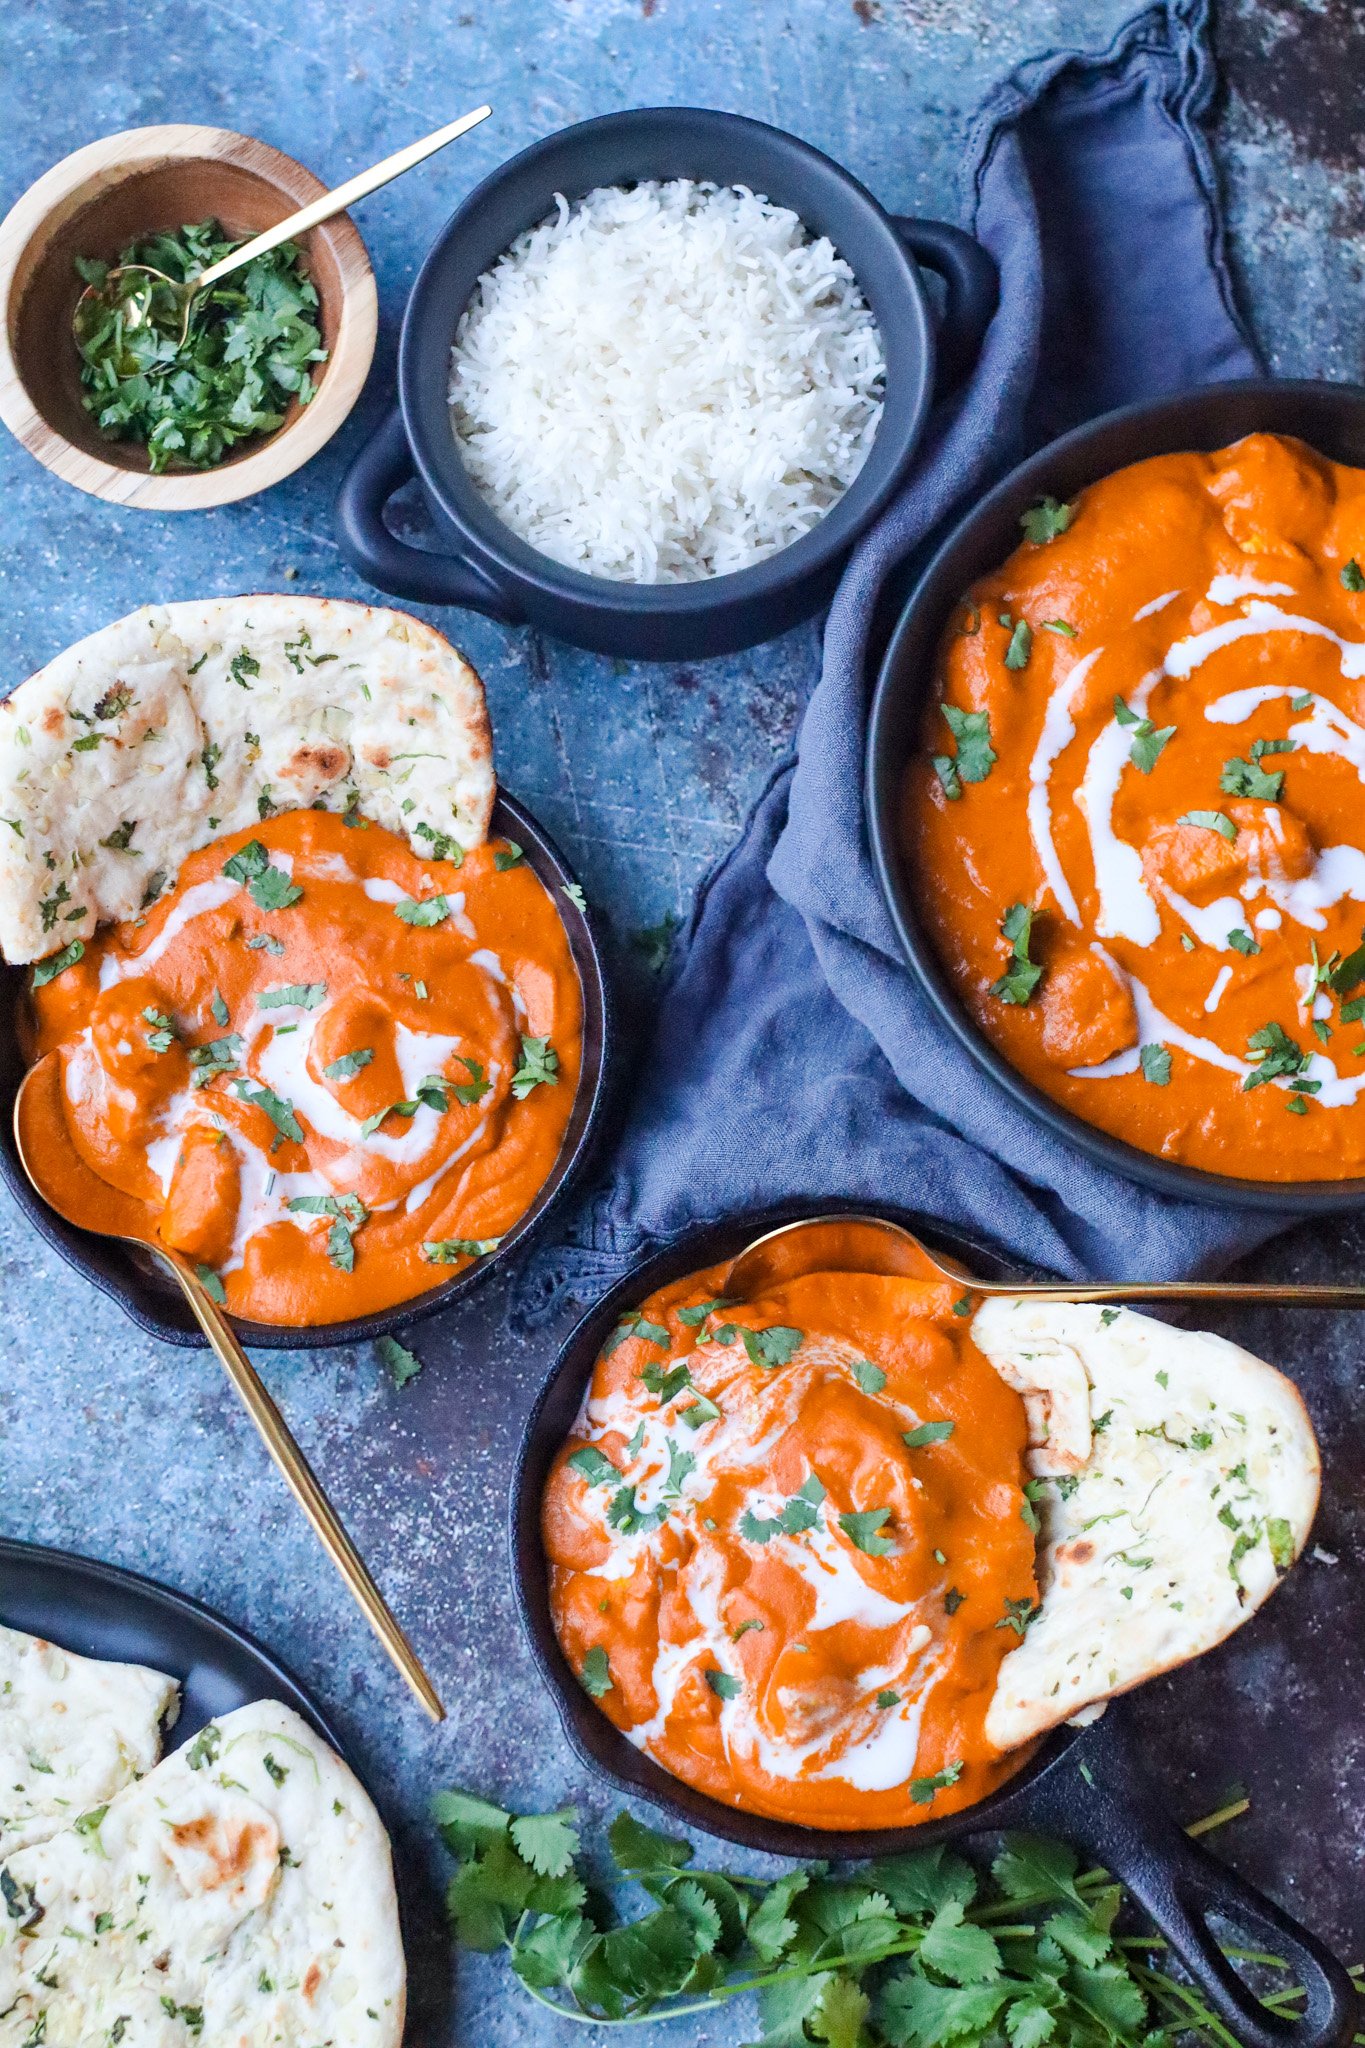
76	181
441	470
1068	463
596	1741
163	1315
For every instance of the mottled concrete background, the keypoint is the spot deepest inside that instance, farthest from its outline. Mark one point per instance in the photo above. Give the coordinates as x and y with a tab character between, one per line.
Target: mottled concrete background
130	1451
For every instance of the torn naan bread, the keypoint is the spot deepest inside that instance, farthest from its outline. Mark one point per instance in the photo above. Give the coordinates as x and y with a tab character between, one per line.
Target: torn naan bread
73	1732
1182	1482
185	721
241	1894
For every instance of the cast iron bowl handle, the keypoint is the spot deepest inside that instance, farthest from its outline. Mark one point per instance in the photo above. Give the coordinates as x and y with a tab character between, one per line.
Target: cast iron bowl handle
1097	1796
973	293
383	464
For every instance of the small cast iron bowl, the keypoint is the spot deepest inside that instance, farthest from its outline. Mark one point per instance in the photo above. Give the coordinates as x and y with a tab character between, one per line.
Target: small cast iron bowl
1331	419
484	566
141	1289
1085	1785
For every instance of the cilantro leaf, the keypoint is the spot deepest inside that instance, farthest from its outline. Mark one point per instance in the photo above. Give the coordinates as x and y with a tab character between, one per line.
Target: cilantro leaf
349	1064
723	1685
1021	978
596	1672
302	995
862	1530
547	1841
57	963
974	757
595	1467
443	847
870	1378
962	1953
1021	644
1156	1065
1278	1057
403	1365
1352	577
1211	821
432	910
539	1067
928	1433
1046	520
509	855
280	1112
1248	778
444	1251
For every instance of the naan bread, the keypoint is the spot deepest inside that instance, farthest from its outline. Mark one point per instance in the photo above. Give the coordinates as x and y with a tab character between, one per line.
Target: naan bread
241	1895
1184	1481
178	723
73	1732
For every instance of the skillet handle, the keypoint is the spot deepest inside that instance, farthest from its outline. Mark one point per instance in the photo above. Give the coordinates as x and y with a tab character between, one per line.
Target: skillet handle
973	293
383	464
1098	1796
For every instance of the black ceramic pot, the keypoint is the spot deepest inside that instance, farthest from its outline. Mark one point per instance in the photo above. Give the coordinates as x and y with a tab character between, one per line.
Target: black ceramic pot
1085	1785
1331	419
486	568
142	1290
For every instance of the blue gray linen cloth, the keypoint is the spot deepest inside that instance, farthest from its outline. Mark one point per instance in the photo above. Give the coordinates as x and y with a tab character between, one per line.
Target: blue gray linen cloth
792	1054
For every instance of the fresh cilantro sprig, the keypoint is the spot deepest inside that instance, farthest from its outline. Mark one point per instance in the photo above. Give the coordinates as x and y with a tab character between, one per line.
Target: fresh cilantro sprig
912	1951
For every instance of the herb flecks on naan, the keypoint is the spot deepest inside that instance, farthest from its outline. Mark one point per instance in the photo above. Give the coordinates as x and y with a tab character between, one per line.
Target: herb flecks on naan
73	1732
241	1894
183	722
1181	1482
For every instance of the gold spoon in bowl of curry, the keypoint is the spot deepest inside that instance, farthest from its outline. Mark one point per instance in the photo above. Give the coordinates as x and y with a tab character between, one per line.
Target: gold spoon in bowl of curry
80	1197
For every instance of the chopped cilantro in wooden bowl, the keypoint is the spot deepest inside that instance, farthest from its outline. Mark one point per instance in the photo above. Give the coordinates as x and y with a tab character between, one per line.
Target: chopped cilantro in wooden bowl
249	349
277	357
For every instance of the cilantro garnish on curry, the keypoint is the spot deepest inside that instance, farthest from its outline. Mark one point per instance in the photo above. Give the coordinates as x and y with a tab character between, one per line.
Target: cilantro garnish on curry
332	1069
1143	865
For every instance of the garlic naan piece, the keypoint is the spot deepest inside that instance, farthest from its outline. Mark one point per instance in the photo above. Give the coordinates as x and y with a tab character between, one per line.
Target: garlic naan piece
241	1894
73	1732
176	724
1197	1494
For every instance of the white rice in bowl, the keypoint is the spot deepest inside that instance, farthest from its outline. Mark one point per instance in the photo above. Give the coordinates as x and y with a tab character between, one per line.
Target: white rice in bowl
666	382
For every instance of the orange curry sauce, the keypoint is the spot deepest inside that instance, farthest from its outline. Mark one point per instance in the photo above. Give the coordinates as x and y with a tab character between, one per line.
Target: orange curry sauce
1162	759
229	1058
763	1583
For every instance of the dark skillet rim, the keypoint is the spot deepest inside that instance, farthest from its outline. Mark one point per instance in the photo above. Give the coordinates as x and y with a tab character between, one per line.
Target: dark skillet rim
1061	468
149	1303
442	472
595	1741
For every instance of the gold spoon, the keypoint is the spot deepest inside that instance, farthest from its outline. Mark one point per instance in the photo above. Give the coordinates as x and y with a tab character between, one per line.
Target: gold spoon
91	1204
310	216
820	1242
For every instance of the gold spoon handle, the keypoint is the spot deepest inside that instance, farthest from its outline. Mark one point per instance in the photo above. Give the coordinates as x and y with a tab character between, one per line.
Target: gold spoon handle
358	187
1231	1291
302	1481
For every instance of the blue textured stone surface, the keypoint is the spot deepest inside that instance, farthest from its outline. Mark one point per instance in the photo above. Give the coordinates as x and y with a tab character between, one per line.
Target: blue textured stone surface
114	1445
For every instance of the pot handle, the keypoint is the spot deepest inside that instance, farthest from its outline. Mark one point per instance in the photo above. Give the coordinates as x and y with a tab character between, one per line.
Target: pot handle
1097	1796
973	293
383	464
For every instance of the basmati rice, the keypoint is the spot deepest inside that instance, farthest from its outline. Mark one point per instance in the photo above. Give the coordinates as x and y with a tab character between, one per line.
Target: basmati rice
666	382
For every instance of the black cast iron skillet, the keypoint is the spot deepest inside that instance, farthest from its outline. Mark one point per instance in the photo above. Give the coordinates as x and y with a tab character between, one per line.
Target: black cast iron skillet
141	1289
484	566
1085	1785
1331	419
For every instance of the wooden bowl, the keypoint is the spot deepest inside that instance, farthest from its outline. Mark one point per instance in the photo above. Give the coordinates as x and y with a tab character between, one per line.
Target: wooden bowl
94	203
